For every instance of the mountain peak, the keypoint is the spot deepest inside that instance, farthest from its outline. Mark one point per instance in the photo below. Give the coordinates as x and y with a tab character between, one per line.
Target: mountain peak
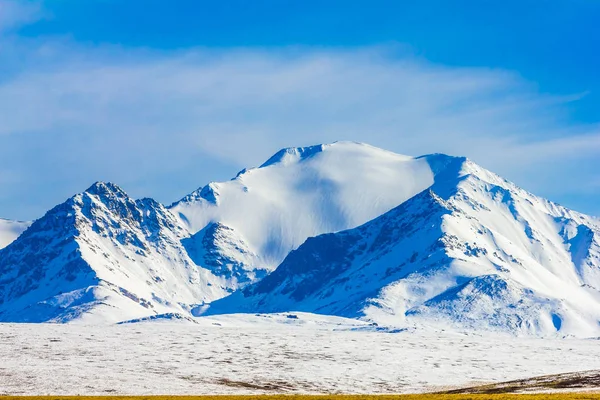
292	153
104	188
101	250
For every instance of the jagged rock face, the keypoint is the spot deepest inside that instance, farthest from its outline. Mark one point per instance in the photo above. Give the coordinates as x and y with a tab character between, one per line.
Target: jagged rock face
101	255
222	251
472	252
45	259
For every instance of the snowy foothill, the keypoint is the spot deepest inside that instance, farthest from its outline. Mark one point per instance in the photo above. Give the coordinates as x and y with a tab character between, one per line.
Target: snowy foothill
266	353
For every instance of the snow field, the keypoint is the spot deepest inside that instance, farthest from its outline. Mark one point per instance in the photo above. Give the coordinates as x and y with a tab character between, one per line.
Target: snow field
268	354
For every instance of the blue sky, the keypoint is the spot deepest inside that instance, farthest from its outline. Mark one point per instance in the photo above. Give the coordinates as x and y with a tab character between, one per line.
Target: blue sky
163	96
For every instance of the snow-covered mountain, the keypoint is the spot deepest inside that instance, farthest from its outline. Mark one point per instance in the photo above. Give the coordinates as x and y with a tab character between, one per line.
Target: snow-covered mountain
101	256
10	230
398	240
471	251
104	256
249	224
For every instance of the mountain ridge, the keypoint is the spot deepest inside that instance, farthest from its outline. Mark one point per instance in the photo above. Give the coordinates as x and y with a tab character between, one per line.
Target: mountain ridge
377	271
345	229
311	190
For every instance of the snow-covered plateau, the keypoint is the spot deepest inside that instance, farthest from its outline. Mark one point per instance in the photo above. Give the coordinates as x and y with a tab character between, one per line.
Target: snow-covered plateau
287	353
349	230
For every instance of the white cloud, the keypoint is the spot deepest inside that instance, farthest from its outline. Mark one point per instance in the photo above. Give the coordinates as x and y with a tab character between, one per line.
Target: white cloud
160	122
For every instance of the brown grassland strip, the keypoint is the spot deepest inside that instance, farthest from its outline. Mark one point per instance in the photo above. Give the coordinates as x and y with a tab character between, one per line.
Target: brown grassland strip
586	380
427	396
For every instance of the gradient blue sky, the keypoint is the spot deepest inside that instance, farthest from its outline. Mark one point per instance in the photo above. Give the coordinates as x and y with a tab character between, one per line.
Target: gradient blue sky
164	96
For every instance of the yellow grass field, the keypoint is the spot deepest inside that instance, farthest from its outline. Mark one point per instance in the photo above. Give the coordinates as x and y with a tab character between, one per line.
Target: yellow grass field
540	396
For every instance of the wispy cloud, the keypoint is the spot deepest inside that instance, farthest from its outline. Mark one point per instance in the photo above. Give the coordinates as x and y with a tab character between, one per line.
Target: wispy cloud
163	123
15	13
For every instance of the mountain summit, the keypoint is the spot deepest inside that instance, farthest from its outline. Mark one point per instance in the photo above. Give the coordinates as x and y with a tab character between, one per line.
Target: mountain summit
298	193
101	256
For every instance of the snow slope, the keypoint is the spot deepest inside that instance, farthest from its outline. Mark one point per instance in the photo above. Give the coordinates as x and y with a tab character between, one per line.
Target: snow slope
264	213
101	256
10	230
471	252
